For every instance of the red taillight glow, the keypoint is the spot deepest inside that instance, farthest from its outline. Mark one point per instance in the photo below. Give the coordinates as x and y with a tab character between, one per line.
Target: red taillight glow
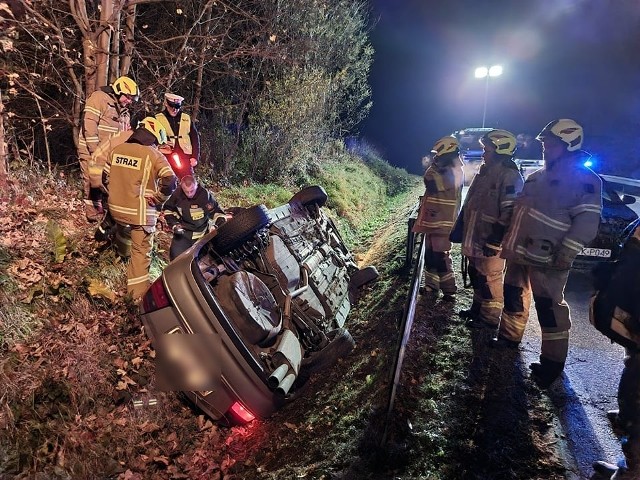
156	297
241	413
176	158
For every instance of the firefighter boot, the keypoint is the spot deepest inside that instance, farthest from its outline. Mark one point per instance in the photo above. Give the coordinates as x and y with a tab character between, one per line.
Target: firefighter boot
545	372
618	424
631	450
106	231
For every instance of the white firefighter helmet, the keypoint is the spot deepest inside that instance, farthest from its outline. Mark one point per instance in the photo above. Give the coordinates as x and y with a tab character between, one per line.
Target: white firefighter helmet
565	129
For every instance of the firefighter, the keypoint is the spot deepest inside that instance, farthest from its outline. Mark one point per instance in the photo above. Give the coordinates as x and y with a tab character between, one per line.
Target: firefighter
486	214
439	207
189	212
105	114
107	227
139	179
183	145
555	215
615	310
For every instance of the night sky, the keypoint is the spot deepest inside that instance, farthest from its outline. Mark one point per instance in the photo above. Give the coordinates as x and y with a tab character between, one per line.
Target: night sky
575	59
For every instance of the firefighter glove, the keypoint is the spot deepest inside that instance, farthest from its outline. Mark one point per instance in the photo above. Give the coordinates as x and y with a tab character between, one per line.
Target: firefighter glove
178	231
563	258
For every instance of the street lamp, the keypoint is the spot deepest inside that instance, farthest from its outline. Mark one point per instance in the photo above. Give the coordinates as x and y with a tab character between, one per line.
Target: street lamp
484	72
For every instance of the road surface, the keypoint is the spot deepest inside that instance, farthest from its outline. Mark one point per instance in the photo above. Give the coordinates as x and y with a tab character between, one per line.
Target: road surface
589	384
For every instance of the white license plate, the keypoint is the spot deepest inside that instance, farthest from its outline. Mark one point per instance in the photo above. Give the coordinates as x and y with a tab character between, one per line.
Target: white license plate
596	252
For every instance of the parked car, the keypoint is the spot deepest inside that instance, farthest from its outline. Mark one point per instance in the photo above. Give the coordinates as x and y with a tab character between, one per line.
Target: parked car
243	318
614	228
527	165
471	150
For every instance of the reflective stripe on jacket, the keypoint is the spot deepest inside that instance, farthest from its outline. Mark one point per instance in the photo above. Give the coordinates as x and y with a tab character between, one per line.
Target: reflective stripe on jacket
193	214
184	129
489	201
102	119
558	210
99	158
441	201
133	172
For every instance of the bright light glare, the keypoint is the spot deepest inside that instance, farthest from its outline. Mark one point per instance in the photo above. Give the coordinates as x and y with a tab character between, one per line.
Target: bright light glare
495	70
588	163
482	72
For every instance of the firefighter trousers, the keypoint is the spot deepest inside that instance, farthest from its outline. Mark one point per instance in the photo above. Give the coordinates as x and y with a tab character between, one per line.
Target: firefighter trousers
547	287
92	197
138	240
438	274
487	275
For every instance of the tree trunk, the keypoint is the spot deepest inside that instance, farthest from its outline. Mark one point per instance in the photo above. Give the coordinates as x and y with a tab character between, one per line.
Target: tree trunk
104	43
129	28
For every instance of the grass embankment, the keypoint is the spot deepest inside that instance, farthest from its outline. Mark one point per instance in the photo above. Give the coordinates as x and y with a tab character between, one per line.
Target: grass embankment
73	354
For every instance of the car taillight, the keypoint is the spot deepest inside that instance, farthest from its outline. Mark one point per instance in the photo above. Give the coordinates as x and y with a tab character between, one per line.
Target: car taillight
156	297
240	413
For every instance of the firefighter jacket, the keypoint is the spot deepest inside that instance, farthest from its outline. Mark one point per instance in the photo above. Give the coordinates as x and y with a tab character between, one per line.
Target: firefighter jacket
186	139
441	201
555	216
615	308
102	118
139	179
101	154
489	204
192	214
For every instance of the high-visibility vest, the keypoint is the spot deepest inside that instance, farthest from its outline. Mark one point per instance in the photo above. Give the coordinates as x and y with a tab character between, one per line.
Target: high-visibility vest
184	129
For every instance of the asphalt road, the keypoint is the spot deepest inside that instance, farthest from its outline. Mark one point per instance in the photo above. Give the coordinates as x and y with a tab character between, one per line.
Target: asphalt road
588	386
590	382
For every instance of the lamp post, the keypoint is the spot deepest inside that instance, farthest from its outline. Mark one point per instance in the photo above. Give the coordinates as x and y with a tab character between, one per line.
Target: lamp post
487	72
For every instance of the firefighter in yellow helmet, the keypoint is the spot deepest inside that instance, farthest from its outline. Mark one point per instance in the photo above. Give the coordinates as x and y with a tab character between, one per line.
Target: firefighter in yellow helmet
555	215
139	179
439	208
486	214
105	114
183	140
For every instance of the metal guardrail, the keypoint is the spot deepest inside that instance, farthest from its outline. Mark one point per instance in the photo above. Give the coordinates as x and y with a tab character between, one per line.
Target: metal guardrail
405	328
411	237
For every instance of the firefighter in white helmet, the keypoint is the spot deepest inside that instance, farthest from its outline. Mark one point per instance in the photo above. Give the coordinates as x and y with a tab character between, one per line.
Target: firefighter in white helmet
183	141
486	214
439	208
105	114
554	217
139	179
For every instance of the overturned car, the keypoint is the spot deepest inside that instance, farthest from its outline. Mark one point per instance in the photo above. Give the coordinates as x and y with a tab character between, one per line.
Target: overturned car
242	319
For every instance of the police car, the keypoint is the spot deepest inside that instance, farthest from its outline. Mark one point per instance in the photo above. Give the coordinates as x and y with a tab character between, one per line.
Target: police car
613	231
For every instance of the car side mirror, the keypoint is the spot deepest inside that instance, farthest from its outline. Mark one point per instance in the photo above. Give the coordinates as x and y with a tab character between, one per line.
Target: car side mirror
628	199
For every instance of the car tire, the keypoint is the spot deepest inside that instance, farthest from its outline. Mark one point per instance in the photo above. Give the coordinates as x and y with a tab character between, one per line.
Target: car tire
340	344
240	228
310	196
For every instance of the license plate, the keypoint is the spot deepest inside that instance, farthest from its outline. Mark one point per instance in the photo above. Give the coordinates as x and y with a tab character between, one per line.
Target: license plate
596	252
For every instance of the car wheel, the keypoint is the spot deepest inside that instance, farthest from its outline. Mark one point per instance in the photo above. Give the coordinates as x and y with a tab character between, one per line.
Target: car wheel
310	195
240	228
340	344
